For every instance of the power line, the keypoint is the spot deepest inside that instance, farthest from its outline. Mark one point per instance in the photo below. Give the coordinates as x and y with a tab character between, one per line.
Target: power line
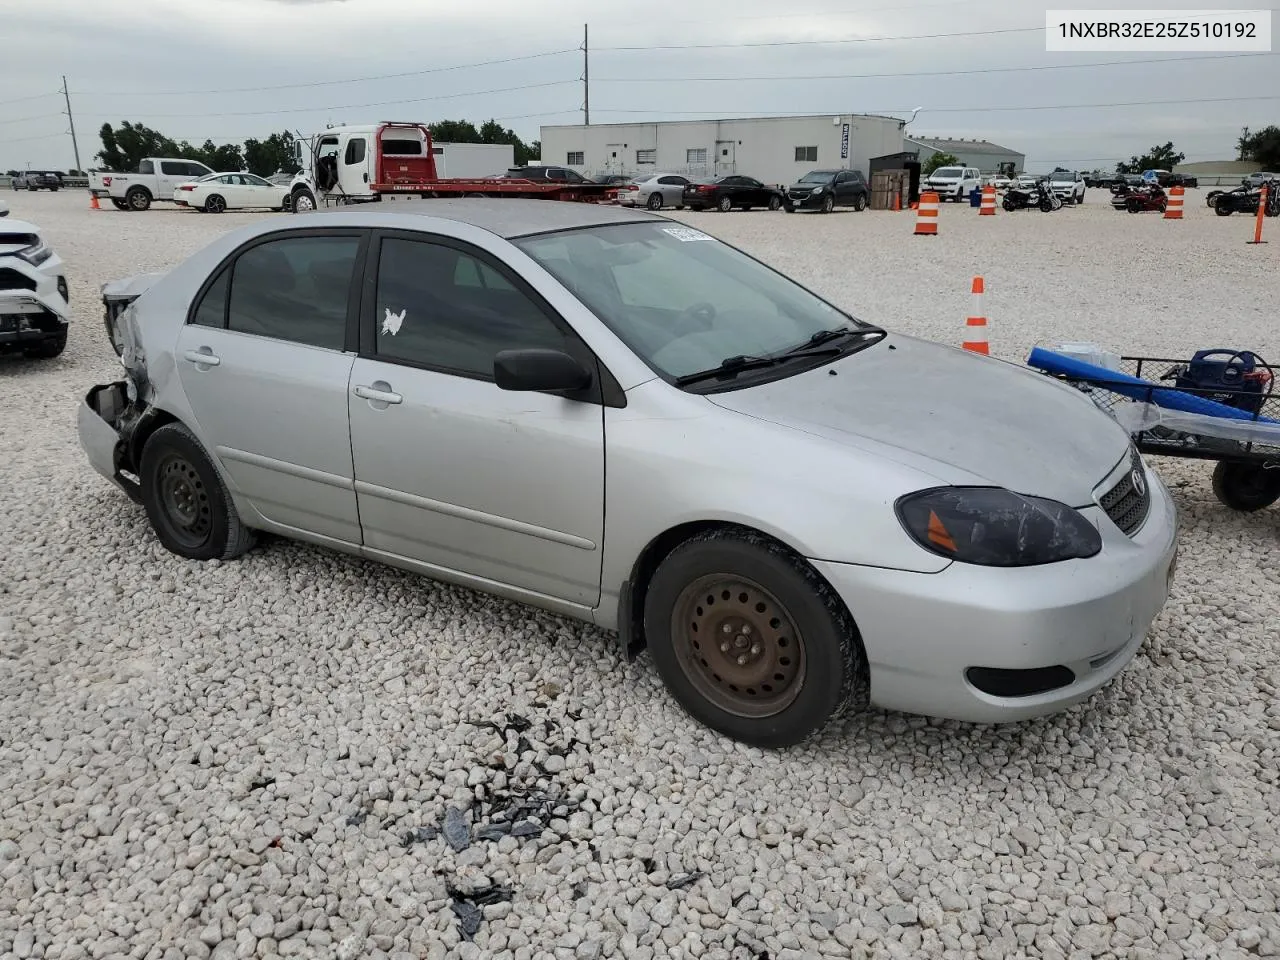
40	116
38	96
322	108
47	136
891	110
806	43
929	73
323	83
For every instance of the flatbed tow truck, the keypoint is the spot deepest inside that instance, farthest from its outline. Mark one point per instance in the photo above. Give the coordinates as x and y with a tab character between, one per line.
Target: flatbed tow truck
364	164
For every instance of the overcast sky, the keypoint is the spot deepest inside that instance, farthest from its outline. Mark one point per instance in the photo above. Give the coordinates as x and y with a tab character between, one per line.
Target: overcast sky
157	61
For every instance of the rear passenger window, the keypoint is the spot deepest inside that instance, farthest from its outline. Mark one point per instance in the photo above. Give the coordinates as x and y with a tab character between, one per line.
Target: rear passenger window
146	166
294	289
212	311
440	307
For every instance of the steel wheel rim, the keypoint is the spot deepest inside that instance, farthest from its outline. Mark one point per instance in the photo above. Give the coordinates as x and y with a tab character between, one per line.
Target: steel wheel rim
303	202
738	646
184	500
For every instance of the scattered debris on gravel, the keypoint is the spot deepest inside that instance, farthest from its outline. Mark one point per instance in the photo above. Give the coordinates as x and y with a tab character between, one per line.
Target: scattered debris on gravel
302	754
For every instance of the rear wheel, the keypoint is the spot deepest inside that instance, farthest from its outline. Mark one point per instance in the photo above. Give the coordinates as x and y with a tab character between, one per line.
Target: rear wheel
750	640
186	501
119	204
286	203
725	204
215	204
138	199
775	203
860	202
1221	208
655	200
1245	486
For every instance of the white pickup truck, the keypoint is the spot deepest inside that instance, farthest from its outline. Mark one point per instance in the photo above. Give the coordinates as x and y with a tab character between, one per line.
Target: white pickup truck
156	179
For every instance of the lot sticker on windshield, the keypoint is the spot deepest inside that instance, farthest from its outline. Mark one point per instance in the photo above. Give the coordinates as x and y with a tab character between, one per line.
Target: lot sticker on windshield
391	322
686	234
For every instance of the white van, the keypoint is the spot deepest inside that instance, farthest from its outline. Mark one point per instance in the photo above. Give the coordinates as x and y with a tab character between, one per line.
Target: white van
952	183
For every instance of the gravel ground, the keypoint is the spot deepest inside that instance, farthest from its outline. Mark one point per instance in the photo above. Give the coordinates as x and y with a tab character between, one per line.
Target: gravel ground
260	758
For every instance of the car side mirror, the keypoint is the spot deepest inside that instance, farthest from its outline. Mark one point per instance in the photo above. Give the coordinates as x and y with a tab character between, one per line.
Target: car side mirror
538	369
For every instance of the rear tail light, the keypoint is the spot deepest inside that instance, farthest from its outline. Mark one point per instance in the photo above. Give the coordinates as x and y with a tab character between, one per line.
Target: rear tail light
187	187
706	187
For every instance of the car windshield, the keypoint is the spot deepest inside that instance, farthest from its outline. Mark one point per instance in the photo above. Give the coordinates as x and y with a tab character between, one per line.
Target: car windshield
818	176
683	301
947	172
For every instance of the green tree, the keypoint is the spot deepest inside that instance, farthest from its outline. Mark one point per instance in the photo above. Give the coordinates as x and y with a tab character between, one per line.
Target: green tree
939	160
1157	158
265	157
491	131
455	131
1262	147
124	148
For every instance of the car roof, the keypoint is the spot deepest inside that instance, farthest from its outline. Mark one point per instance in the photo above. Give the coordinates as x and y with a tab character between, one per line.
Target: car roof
507	218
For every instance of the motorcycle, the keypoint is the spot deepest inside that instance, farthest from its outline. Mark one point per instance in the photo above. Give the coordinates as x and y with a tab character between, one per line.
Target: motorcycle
1139	199
1020	198
1245	200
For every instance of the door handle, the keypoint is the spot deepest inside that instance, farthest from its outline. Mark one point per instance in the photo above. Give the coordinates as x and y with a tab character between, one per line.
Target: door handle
380	392
203	357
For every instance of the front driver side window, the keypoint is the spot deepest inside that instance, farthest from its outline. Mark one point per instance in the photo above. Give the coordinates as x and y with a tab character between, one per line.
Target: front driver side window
442	308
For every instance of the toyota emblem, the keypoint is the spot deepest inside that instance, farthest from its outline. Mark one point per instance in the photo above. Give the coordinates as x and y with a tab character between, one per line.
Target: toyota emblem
1139	482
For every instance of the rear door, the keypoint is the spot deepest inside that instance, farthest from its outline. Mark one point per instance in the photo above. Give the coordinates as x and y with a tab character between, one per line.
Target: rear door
264	360
452	472
672	187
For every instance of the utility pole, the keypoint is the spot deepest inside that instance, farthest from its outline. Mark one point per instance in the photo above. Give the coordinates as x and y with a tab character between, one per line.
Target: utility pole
586	79
74	146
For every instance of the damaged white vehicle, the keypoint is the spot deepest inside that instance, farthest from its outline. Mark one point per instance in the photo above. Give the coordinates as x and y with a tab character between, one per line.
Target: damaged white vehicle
34	314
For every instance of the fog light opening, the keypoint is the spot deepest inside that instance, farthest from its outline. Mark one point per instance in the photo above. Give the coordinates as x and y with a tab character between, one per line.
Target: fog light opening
998	682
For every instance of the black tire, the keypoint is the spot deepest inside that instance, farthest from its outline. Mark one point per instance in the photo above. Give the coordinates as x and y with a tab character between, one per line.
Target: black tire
1046	205
790	208
215	203
828	204
724	204
186	501
1134	206
1222	209
860	203
47	349
119	204
286	203
1211	198
802	634
1245	487
138	199
1009	204
655	200
775	203
304	201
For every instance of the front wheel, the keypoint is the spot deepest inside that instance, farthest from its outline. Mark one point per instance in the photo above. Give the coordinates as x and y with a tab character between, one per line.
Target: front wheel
303	201
1245	487
828	203
186	501
750	640
1009	204
725	204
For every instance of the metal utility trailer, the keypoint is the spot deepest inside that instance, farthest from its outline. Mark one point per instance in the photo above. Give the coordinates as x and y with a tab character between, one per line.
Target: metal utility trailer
500	187
1246	448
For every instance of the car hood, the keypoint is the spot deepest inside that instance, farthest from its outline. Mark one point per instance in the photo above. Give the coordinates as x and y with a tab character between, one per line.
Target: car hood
975	419
129	288
16	227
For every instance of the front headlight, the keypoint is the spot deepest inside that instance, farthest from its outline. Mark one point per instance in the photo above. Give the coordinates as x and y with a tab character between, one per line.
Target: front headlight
37	253
818	190
994	527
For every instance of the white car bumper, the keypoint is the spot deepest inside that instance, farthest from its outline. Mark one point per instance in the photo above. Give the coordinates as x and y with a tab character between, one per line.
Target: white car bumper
33	301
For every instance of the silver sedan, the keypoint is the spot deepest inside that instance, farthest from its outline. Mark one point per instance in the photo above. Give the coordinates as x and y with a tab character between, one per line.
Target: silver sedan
655	191
612	415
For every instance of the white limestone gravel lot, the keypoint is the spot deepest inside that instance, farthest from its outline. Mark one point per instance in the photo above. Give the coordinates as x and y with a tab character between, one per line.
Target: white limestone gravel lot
239	759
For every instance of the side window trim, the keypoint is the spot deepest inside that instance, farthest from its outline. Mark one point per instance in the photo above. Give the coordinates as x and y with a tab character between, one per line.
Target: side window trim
605	390
227	264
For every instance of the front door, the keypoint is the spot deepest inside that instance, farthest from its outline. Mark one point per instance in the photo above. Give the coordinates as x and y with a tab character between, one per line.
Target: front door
171	174
451	471
265	364
726	150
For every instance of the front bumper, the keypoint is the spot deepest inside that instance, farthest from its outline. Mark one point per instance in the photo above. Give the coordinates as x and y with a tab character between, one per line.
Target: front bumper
807	201
101	410
923	632
39	313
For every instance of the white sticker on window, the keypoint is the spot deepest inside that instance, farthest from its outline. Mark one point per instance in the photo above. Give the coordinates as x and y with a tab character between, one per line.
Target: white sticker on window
686	234
391	322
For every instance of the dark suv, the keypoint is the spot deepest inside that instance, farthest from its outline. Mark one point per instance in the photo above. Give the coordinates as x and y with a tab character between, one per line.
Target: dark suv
37	180
556	174
825	190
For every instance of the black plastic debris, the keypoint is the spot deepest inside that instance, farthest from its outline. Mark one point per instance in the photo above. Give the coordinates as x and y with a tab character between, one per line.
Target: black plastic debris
420	835
680	881
357	818
527	828
493	831
261	783
467	907
579	889
456	830
650	864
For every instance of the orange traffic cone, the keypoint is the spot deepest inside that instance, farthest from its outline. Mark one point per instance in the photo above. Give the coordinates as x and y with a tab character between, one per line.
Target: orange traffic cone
1262	212
897	202
988	201
93	202
976	325
927	216
1173	210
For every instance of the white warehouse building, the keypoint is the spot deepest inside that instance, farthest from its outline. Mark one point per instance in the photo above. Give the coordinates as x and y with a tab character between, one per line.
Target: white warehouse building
771	149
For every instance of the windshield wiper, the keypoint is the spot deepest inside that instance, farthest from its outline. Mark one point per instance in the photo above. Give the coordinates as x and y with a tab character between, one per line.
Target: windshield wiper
837	333
732	366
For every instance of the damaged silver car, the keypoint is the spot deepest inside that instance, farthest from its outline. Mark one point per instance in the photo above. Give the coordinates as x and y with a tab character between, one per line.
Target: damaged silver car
620	418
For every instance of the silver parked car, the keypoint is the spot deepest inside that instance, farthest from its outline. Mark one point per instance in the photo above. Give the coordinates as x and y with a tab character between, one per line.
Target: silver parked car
655	191
612	415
